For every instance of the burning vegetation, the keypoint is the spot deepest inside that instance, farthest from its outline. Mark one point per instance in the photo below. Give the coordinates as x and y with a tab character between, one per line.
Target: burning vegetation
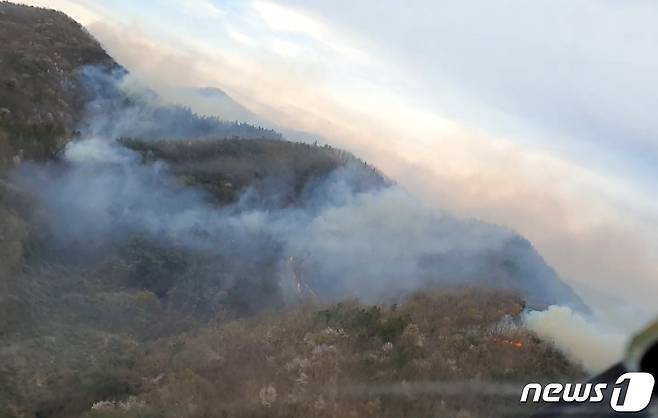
148	256
441	353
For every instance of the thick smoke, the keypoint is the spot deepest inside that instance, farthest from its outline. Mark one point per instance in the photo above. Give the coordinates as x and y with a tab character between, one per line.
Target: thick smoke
582	339
338	241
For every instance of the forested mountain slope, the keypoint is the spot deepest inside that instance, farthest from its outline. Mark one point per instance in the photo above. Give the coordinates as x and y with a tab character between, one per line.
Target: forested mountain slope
156	263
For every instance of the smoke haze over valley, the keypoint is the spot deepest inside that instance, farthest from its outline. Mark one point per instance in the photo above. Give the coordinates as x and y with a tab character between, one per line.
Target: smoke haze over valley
356	234
498	159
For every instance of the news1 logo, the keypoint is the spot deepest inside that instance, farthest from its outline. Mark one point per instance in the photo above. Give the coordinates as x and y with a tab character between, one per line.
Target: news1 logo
631	392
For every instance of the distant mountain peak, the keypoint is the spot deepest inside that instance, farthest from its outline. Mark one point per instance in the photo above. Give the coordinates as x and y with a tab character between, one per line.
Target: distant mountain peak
212	92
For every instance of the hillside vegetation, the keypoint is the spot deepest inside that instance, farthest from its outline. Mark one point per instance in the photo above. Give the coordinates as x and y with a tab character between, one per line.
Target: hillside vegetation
50	69
41	98
155	263
278	171
442	353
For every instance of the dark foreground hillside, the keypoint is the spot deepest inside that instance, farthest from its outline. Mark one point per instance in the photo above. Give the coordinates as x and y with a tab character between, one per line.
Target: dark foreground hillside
41	98
50	69
448	353
154	263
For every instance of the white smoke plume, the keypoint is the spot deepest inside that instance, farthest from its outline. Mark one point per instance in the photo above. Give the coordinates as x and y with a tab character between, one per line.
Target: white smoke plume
346	242
581	339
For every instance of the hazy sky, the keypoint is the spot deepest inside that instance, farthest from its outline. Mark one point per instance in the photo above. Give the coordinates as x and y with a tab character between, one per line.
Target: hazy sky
537	115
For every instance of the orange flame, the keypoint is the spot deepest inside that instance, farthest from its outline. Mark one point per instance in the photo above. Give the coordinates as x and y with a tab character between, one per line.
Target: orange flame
513	343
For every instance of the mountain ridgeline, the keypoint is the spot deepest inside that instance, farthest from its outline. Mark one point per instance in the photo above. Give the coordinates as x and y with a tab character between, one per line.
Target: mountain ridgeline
129	225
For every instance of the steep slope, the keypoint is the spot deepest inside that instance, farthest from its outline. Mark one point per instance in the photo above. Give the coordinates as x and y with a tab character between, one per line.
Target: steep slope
41	98
135	235
50	69
125	135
